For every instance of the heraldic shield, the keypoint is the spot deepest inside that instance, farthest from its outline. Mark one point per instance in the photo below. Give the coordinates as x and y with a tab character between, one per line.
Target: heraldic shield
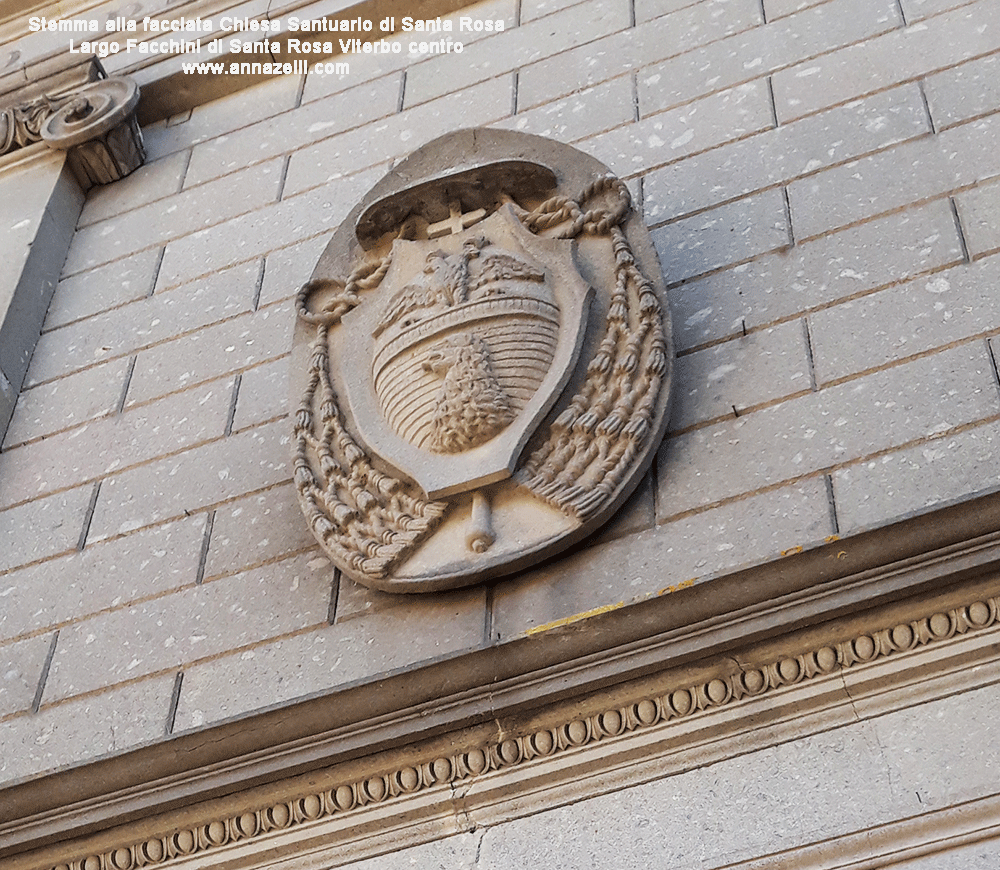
482	364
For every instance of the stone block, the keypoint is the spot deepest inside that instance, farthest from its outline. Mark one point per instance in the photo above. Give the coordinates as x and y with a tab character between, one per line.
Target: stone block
979	212
194	480
909	318
188	625
886	60
759	51
174	216
774	9
67	402
144	322
365	67
532	9
43	527
85	730
946	754
255	529
911	481
909	173
732	804
103	576
833	427
672	135
212	352
590	111
330	160
815	274
645	10
748	371
96	290
660	560
148	183
21	666
310	123
223	116
263	393
435	627
783	153
915	10
257	233
964	92
103	446
289	268
514	48
723	236
671	33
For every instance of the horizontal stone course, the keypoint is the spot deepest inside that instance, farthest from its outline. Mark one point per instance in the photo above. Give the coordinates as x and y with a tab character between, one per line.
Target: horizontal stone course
585	113
174	216
763	50
100	447
223	116
887	60
397	135
815	274
434	627
672	32
190	624
144	322
915	10
213	352
910	173
761	367
21	671
66	402
96	290
781	154
723	236
672	135
834	426
948	469
84	730
249	236
964	92
910	318
513	48
292	131
651	562
100	577
193	480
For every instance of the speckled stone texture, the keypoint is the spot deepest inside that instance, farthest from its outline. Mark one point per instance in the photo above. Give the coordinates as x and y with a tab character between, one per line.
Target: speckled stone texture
821	180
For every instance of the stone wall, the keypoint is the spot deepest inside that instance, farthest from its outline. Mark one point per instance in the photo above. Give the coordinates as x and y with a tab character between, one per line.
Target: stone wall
822	184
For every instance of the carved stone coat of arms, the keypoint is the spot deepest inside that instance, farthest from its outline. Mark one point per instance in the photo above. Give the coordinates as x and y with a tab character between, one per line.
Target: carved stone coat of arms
482	364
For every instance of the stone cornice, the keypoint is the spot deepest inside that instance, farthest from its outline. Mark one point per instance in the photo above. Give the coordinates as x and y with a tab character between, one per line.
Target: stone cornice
790	633
584	733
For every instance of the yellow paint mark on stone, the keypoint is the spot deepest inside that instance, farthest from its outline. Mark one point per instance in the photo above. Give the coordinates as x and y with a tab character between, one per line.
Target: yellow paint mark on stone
829	539
666	590
791	551
568	620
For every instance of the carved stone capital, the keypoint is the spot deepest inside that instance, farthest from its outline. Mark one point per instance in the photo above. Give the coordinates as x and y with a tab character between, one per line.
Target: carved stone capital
95	123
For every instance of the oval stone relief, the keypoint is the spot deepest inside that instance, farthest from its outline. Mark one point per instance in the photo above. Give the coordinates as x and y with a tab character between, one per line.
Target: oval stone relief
482	364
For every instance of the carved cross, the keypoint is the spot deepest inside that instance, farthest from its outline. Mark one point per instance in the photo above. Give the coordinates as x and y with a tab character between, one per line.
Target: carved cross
456	221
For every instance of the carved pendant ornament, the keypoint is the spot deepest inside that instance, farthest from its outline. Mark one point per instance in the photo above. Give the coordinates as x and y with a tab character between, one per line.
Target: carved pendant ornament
482	364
